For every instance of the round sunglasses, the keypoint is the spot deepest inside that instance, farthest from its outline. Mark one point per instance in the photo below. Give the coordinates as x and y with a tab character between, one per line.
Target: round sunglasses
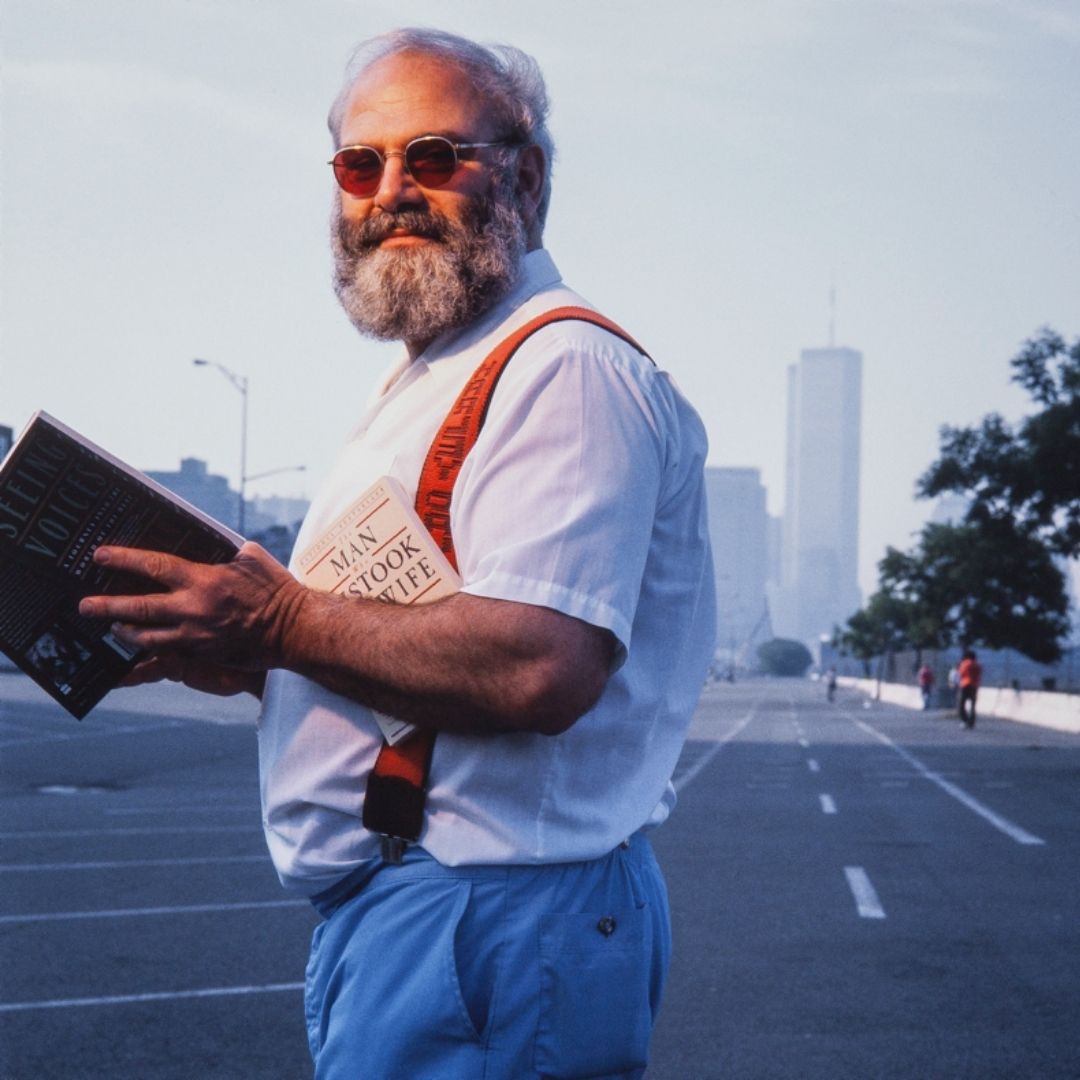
431	160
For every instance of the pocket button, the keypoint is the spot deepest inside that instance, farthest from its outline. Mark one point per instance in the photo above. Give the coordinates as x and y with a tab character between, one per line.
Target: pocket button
606	926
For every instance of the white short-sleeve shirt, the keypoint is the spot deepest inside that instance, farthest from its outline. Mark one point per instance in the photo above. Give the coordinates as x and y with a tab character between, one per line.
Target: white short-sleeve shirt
584	493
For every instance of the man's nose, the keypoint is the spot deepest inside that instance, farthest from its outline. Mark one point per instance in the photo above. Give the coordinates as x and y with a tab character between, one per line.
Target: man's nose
397	188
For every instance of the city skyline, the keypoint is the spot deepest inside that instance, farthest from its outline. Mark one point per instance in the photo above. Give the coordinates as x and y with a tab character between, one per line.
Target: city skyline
920	158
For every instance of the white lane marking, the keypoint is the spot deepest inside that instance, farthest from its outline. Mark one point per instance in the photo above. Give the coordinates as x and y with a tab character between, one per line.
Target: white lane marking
866	898
163	830
127	913
146	811
125	864
828	806
694	771
135	999
812	765
1014	832
90	733
804	743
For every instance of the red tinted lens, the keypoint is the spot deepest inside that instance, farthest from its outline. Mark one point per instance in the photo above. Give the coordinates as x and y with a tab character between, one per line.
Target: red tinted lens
431	161
358	170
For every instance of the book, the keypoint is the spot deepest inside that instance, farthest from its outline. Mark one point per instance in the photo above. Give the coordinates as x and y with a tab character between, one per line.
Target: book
379	549
61	497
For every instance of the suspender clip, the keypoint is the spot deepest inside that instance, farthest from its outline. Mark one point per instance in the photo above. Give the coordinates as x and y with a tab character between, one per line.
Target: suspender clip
392	848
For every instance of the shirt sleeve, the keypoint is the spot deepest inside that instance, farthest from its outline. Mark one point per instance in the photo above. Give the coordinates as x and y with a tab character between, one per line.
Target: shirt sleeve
555	504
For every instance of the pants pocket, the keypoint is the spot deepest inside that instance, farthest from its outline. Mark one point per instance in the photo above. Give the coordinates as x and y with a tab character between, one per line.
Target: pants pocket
595	1018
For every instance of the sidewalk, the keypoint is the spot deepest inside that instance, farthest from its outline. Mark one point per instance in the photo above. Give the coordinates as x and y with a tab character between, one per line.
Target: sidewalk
1061	712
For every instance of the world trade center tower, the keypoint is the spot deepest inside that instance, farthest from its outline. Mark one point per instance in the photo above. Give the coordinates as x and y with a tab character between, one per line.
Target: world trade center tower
820	539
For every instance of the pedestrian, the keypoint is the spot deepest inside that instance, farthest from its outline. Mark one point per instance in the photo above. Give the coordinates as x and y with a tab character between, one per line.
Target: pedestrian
926	685
969	676
830	684
522	929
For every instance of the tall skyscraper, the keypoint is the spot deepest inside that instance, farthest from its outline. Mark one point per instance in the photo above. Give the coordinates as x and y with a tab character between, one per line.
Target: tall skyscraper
820	551
738	534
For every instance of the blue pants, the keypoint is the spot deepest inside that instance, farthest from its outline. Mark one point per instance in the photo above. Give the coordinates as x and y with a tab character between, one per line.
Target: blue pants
427	972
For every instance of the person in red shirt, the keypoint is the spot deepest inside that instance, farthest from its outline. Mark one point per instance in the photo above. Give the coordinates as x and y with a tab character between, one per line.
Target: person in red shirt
970	673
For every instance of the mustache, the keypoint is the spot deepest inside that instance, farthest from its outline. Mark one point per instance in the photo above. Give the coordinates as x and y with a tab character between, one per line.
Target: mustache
358	237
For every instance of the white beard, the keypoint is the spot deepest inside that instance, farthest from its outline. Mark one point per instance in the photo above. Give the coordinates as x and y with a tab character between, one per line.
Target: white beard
416	293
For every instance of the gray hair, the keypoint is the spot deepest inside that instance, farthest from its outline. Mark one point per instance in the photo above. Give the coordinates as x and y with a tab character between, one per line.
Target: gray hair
507	78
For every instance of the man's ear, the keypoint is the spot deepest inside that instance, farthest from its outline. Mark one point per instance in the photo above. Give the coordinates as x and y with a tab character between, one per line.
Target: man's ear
530	187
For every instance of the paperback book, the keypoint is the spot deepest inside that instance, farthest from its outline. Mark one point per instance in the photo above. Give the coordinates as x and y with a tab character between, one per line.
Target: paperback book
379	549
61	497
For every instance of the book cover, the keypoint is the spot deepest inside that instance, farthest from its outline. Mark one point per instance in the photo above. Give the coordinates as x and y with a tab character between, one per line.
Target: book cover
61	497
380	550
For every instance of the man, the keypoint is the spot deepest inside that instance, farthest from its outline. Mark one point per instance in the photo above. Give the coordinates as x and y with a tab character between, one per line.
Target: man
969	675
525	933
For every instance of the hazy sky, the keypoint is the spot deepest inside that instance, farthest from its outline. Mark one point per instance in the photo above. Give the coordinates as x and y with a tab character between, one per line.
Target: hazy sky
165	196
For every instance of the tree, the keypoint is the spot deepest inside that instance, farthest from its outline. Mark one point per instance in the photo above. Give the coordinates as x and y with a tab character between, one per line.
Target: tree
990	584
782	656
1028	472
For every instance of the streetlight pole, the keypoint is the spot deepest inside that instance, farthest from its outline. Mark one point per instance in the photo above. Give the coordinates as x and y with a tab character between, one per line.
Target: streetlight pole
241	384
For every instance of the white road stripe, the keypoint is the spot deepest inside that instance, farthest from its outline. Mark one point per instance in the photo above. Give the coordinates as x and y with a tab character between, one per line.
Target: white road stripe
146	811
812	765
866	898
827	804
804	743
125	864
127	913
135	999
163	830
694	771
1014	832
89	733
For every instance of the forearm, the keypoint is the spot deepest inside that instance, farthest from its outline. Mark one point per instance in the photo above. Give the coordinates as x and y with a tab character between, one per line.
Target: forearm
463	663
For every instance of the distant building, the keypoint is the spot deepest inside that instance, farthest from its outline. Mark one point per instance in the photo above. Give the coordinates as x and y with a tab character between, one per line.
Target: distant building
819	558
279	509
738	531
211	494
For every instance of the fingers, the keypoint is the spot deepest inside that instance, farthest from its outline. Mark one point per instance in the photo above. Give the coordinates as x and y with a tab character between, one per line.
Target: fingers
145	610
167	570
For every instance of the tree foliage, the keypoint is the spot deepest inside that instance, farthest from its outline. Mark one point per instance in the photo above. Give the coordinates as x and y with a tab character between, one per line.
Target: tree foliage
1029	472
992	580
781	656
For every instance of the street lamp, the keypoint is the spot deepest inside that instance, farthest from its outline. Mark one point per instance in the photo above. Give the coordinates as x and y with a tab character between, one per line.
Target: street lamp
241	384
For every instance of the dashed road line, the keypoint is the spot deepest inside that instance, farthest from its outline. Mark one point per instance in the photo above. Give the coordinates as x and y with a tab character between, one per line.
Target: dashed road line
812	765
866	898
828	805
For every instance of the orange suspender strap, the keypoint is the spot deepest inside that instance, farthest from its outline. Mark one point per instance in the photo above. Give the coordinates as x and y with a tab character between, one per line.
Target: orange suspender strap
397	786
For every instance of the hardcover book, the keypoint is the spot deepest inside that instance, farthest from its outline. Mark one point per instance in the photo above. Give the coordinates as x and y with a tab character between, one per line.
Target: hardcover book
379	549
61	497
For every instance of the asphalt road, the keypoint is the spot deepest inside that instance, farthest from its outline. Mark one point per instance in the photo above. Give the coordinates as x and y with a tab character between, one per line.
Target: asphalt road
859	892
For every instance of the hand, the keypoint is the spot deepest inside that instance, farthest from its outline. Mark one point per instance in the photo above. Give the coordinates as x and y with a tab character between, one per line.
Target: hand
198	674
233	614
